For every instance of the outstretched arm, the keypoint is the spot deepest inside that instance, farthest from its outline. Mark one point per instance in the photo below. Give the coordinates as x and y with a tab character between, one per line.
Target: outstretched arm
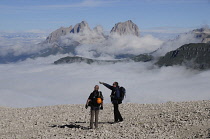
107	85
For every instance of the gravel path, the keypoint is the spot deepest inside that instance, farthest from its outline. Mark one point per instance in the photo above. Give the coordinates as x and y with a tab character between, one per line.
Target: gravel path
171	120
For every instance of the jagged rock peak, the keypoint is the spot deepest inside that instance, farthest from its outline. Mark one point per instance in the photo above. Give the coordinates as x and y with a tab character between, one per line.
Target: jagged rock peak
126	28
80	27
55	35
62	31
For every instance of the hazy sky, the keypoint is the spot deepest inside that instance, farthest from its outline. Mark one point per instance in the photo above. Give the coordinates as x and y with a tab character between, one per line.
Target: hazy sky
33	15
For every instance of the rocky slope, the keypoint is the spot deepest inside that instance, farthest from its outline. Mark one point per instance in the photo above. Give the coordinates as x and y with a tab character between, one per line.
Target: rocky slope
171	120
126	28
195	55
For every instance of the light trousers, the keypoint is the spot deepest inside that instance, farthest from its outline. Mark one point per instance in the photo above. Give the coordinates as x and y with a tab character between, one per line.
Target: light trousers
92	114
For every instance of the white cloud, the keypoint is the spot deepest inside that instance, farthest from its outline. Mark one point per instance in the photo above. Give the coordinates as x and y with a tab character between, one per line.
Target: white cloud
171	45
20	42
38	31
39	83
116	45
82	4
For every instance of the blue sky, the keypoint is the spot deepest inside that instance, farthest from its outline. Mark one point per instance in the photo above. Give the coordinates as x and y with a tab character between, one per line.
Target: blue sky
32	15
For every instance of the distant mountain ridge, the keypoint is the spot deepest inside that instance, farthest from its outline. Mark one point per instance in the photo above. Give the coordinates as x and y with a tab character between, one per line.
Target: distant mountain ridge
54	39
194	55
55	43
121	28
76	59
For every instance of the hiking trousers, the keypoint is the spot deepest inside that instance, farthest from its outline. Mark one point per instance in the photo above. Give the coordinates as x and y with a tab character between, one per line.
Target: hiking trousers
92	114
117	115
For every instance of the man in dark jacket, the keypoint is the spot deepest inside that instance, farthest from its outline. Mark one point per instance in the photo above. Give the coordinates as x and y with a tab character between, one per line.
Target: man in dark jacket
95	106
115	99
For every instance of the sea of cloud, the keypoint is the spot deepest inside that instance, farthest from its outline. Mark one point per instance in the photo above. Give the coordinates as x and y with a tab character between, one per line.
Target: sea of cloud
20	43
40	83
37	82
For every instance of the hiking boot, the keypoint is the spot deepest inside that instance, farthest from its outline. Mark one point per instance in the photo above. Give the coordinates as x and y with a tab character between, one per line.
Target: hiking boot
120	120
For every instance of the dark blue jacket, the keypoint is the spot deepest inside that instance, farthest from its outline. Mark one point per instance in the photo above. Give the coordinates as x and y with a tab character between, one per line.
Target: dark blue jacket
115	94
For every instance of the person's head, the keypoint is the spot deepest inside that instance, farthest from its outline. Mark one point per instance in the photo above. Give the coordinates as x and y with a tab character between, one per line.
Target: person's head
96	88
115	84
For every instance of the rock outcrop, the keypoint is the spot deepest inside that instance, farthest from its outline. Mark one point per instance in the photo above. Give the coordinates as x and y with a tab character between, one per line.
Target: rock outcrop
126	28
55	35
76	59
143	58
194	55
203	34
80	27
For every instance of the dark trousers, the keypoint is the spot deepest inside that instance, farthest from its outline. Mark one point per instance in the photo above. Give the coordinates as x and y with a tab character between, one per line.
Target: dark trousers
117	115
92	113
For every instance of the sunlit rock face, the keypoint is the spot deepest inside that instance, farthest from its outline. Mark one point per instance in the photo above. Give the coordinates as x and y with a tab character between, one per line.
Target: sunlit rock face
126	28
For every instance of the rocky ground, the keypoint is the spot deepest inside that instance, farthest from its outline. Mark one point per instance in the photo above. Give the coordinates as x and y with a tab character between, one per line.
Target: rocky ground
171	120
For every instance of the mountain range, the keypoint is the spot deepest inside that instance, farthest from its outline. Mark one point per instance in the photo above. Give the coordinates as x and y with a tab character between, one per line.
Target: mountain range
58	46
66	39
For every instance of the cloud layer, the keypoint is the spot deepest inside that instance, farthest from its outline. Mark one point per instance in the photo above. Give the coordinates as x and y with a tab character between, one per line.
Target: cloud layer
171	45
20	43
38	83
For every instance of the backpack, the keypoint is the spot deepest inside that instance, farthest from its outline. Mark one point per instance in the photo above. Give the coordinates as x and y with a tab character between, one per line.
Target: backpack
122	94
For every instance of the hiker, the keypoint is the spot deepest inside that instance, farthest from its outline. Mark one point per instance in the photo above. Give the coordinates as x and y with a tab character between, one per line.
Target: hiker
115	95
95	101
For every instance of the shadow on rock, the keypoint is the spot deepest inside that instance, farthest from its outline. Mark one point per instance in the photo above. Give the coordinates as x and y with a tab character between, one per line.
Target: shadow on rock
70	126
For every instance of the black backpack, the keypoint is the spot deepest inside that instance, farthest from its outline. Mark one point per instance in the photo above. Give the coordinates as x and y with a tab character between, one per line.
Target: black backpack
122	94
